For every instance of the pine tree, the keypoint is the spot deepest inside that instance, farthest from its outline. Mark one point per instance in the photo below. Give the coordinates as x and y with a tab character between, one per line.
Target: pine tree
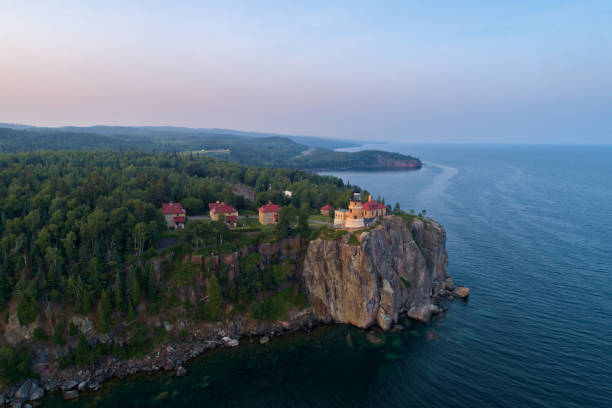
135	291
102	322
118	292
27	308
81	354
106	305
131	313
151	286
86	306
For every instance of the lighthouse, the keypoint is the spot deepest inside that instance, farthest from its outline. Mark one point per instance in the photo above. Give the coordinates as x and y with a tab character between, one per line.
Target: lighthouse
354	217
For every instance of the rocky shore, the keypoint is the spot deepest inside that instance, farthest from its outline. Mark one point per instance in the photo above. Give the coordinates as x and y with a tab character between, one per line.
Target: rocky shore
390	271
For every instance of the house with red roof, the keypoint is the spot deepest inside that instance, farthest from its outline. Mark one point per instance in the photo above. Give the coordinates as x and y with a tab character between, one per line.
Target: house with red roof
326	210
373	209
175	215
218	209
268	214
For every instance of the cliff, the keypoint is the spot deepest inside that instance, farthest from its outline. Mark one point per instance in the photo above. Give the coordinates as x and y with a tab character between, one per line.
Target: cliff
391	269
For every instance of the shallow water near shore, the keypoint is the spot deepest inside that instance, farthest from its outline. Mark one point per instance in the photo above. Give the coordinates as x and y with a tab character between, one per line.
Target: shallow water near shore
529	230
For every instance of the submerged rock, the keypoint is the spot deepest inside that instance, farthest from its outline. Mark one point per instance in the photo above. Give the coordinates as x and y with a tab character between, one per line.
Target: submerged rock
461	292
264	340
181	371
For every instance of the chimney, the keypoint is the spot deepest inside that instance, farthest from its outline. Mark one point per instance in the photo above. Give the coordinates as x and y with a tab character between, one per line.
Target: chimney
370	197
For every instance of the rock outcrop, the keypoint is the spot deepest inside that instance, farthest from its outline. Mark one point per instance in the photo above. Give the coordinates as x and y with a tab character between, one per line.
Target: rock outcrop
393	269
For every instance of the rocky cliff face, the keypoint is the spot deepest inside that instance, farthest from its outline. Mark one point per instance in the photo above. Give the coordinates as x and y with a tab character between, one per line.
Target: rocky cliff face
394	269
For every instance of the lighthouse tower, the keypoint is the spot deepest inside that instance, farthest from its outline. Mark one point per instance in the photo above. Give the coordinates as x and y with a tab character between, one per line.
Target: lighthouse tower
354	218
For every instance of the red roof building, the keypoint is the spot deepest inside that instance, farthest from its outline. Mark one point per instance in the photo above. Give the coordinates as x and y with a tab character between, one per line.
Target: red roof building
175	215
268	214
326	209
373	209
229	212
173	208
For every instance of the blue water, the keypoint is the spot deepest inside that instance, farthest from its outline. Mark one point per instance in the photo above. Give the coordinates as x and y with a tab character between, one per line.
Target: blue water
529	231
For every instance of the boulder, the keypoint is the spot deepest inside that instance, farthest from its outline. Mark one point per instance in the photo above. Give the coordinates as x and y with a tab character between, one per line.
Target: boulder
72	394
70	385
83	386
181	371
264	340
374	339
23	392
229	342
461	292
17	404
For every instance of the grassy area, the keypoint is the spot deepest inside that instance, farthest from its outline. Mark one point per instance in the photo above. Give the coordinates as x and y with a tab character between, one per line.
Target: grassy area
320	217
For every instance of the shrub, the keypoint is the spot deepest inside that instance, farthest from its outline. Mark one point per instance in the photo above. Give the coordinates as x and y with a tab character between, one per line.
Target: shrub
39	334
14	365
82	354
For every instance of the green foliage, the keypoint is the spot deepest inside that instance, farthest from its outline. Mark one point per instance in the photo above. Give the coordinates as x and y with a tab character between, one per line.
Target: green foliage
212	310
14	365
58	336
86	306
131	313
102	319
73	330
193	205
39	334
331	234
277	305
27	307
82	354
405	282
353	240
135	292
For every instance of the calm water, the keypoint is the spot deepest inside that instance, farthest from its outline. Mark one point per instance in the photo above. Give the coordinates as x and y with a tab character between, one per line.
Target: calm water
529	231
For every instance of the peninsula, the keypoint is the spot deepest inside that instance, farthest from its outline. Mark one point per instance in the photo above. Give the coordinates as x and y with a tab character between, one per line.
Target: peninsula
116	263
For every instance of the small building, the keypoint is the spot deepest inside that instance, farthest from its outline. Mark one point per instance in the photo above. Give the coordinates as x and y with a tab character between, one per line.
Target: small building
218	209
268	214
373	209
175	215
326	209
339	217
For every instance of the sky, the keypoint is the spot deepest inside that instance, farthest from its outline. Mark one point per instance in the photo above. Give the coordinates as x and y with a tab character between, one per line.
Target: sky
407	71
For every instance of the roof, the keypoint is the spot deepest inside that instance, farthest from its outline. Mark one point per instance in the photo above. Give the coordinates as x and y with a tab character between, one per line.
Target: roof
179	219
221	208
373	205
173	208
327	207
342	210
270	208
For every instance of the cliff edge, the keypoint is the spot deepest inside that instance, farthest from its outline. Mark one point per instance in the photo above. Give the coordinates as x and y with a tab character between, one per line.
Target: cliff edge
388	270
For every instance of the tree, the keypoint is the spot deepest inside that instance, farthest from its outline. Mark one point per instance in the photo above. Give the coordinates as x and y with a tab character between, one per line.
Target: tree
102	320
397	209
131	313
215	299
140	236
27	309
106	304
135	291
118	289
303	226
86	302
82	352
